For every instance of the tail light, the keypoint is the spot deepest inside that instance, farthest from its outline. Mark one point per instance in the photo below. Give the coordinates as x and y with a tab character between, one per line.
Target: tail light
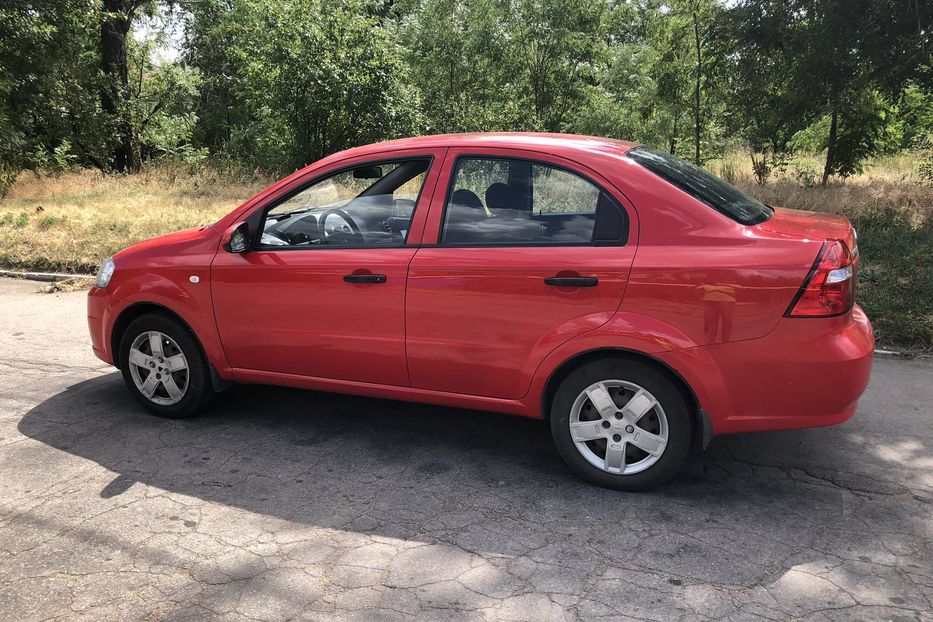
830	287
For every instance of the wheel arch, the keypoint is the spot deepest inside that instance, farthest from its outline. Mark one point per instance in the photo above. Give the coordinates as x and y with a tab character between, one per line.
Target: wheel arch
140	309
701	431
137	310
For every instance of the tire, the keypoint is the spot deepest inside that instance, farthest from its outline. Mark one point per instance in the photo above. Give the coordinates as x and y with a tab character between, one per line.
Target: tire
179	392
599	425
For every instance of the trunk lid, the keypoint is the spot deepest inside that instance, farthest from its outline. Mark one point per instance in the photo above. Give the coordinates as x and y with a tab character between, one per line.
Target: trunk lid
811	225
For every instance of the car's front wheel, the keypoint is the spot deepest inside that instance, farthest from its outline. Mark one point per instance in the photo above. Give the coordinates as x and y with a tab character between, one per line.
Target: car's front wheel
164	368
621	424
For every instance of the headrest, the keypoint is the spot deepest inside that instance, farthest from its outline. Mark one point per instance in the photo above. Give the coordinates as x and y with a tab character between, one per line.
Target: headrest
466	198
501	196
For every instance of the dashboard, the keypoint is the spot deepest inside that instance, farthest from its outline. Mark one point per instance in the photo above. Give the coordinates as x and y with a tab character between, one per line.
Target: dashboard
363	221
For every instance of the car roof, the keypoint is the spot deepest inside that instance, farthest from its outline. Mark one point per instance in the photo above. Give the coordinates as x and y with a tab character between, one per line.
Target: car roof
532	141
566	145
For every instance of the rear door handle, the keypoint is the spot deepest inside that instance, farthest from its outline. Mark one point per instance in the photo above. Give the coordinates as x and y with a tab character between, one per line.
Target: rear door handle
364	278
572	281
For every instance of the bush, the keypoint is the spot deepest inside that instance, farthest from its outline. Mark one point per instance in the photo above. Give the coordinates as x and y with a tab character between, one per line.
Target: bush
896	278
805	175
728	172
761	169
924	149
50	221
8	175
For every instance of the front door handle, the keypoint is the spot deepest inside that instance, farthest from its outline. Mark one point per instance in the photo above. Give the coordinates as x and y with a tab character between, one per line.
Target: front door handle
364	278
572	281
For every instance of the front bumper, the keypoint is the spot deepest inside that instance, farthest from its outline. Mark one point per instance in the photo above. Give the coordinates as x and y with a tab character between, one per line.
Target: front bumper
97	323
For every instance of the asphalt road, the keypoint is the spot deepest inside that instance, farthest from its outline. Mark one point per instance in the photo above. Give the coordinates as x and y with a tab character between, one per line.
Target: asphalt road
281	504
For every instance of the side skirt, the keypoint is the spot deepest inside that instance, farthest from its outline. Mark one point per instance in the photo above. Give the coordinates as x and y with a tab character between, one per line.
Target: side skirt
522	408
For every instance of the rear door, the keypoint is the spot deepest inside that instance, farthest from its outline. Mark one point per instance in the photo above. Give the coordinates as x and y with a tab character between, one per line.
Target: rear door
531	250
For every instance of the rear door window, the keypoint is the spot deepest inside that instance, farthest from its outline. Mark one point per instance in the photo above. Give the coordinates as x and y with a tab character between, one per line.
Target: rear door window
501	201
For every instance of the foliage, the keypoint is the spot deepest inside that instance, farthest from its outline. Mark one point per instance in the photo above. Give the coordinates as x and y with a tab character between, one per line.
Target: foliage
8	175
862	132
800	60
47	79
493	65
279	83
163	106
896	279
316	77
925	167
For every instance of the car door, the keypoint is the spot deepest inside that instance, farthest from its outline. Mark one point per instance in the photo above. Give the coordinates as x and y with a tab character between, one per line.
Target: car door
530	250
322	294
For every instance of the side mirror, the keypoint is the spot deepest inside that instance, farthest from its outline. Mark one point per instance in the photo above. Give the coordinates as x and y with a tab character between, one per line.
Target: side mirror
237	239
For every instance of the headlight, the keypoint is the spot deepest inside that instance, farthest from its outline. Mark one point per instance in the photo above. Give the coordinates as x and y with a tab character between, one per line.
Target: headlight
105	272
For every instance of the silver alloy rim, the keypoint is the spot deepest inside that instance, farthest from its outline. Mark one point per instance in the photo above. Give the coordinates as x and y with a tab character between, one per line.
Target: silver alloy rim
159	368
619	427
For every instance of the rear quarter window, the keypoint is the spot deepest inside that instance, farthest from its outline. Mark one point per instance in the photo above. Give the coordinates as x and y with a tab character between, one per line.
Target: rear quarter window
702	185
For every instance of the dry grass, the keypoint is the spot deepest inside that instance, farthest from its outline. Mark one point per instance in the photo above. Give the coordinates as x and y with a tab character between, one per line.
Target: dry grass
887	183
70	222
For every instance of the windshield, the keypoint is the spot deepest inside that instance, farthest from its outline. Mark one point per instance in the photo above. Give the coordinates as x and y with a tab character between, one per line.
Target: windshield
702	186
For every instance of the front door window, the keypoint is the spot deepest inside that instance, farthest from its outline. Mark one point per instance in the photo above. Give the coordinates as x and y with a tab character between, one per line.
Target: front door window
367	205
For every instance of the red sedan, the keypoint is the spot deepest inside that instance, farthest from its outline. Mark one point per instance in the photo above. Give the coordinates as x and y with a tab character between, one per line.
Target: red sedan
636	302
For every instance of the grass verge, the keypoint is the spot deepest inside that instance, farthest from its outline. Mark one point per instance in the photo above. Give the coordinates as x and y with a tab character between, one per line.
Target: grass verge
70	222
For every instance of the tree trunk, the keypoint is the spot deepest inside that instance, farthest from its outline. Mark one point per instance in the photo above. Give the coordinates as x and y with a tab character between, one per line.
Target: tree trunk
697	129
114	94
831	146
672	142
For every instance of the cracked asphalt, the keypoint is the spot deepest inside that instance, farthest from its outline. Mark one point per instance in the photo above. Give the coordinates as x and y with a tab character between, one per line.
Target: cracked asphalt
281	505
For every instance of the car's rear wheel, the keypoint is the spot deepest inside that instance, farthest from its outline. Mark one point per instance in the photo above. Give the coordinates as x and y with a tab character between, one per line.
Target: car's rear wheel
621	424
164	368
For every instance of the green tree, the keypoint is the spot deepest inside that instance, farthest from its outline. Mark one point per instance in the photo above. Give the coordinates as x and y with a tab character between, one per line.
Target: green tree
307	78
75	85
115	100
702	15
558	48
460	61
279	83
498	65
48	81
659	83
801	59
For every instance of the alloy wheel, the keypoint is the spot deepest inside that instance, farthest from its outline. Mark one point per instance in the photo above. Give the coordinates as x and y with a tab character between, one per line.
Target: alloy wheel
158	367
619	427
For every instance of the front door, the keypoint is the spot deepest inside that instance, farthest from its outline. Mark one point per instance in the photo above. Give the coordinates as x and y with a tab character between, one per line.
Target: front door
530	253
323	292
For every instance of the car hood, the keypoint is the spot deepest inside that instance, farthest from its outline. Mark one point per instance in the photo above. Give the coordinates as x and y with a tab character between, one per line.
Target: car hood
185	235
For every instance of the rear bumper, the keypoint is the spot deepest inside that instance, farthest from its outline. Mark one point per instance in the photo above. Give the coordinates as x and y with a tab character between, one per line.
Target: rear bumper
806	373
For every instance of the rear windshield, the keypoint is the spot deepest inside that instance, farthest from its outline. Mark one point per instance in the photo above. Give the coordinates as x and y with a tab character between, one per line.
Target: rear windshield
702	186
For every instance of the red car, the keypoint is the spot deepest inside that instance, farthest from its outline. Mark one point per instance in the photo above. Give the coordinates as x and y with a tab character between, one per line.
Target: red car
636	302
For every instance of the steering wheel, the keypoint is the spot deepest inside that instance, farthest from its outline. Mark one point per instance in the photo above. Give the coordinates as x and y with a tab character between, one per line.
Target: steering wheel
354	234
